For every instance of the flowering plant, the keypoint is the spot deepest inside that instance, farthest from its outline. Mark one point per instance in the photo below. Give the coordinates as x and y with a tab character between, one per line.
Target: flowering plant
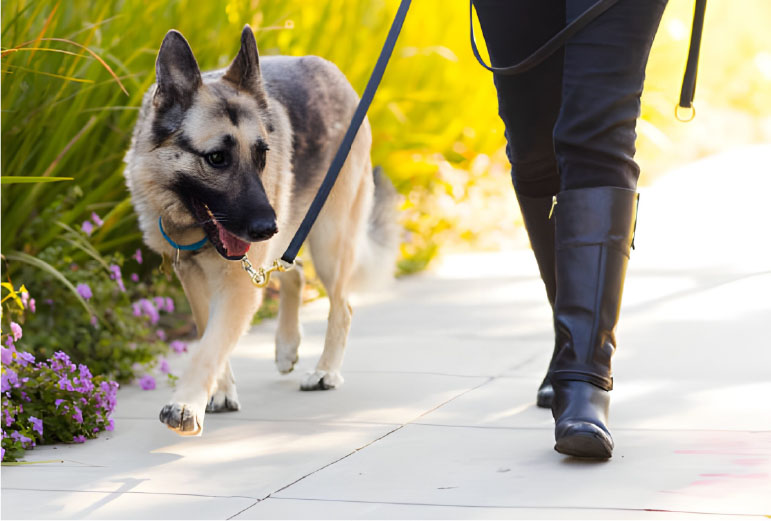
48	401
51	401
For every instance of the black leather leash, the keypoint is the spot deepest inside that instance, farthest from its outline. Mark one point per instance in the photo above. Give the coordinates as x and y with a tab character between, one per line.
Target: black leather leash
342	153
558	40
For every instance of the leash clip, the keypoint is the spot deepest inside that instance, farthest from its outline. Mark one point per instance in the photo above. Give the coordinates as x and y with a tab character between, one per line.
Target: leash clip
261	276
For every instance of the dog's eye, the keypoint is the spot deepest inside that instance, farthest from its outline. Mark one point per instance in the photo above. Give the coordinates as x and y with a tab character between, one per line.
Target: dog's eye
218	159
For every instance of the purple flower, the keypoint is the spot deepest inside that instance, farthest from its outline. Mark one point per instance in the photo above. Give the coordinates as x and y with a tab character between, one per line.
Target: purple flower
7	416
85	372
85	385
58	402
138	256
23	439
32	305
2	453
164	366
147	382
116	276
149	309
6	353
178	346
24	395
169	304
134	277
24	298
110	425
77	415
84	290
16	330
161	334
110	390
136	309
87	227
93	320
61	362
65	384
97	220
9	342
160	304
37	425
25	358
8	380
79	438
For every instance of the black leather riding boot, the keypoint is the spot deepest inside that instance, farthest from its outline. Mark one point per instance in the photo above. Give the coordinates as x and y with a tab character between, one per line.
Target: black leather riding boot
594	229
540	231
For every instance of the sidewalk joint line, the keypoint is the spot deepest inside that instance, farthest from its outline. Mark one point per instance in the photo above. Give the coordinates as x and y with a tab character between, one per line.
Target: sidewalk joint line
517	507
487	381
128	492
245	509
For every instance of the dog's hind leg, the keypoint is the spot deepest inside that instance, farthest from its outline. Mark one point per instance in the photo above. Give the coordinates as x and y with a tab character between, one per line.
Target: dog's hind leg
327	373
231	308
333	242
289	332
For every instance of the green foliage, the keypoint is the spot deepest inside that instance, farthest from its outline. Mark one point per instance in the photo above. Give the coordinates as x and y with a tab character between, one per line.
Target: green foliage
65	115
115	326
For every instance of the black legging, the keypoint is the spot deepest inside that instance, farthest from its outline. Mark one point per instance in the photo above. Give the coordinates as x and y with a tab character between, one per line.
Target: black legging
570	121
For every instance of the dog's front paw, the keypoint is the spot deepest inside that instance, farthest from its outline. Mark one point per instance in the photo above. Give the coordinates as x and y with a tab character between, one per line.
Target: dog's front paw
182	418
320	380
223	401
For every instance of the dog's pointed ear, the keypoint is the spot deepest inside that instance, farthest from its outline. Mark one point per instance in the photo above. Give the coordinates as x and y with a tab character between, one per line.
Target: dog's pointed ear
244	72
176	72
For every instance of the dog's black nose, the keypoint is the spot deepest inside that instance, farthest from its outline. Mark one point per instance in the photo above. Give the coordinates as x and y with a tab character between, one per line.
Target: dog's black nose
261	229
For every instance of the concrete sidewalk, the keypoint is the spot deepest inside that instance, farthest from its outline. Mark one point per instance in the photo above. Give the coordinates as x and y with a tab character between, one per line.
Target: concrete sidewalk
437	416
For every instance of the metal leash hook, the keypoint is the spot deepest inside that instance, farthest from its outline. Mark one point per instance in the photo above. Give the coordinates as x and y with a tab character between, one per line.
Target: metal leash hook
261	276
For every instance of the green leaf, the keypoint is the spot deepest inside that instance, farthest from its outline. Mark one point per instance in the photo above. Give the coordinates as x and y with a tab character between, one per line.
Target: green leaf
34	261
14	179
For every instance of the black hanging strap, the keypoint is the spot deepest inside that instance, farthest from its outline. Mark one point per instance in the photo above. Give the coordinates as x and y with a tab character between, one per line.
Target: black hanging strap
691	67
547	49
342	153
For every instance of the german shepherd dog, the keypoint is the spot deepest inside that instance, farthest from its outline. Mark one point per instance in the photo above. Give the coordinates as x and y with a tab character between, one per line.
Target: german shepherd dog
236	156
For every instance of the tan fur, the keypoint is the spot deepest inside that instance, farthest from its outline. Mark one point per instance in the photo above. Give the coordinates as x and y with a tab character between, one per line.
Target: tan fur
221	296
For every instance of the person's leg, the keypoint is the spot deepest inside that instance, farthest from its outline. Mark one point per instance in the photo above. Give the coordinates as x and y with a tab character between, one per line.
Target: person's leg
594	137
603	73
529	105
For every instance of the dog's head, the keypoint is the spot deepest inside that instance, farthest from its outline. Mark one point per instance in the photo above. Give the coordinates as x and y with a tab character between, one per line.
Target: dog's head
210	139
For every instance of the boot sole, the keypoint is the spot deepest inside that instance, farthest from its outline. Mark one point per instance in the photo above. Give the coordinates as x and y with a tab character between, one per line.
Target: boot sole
584	445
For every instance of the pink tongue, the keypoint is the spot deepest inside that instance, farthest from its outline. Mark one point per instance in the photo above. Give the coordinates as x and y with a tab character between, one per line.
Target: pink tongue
233	245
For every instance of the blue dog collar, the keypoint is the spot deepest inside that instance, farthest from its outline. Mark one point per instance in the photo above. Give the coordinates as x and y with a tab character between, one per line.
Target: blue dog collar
187	247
